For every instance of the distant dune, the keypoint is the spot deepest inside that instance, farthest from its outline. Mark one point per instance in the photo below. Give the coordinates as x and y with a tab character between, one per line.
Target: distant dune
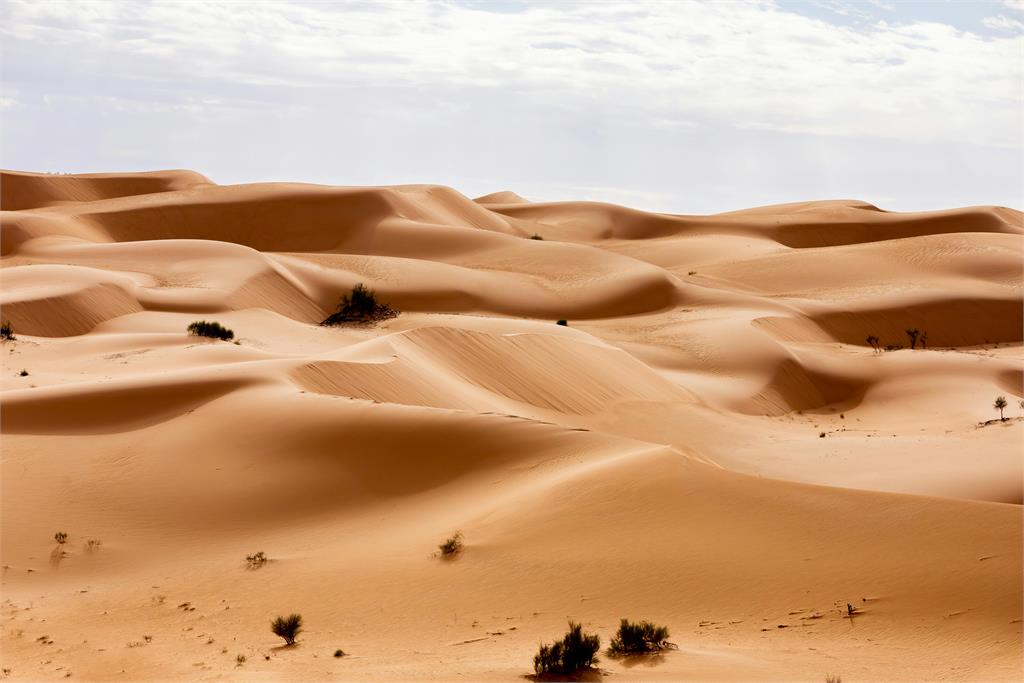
710	442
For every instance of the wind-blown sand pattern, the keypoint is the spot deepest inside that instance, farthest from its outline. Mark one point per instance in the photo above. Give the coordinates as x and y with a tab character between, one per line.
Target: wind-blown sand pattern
710	443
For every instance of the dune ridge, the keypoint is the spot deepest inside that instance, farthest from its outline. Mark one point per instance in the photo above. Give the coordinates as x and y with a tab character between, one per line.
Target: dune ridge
709	440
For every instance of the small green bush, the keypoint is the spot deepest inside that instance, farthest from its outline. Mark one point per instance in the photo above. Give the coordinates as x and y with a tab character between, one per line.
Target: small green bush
637	638
214	330
6	331
576	652
360	307
452	546
287	627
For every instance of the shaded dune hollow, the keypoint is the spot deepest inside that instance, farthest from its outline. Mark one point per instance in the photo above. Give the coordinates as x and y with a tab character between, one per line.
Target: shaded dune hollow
620	413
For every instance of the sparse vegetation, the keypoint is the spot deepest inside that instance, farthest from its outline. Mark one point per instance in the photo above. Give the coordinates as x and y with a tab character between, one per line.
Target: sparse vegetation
60	537
239	660
287	627
360	307
452	546
256	560
913	333
535	236
23	373
211	329
339	653
821	435
6	331
833	678
872	341
576	652
637	638
1000	405
563	323
92	545
893	347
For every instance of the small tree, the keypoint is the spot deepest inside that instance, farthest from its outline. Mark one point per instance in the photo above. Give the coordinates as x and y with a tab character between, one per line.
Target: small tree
873	341
924	340
638	638
1000	404
913	333
60	537
287	627
6	331
213	330
574	653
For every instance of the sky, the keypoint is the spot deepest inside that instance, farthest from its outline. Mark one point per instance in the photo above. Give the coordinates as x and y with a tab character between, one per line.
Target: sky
681	107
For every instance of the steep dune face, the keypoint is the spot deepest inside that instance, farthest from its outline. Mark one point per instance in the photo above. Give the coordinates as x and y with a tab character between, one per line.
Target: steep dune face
708	442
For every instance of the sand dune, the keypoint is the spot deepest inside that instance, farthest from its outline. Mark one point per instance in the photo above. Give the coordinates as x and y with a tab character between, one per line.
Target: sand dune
709	442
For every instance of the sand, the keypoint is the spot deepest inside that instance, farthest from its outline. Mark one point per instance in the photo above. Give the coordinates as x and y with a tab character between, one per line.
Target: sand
710	443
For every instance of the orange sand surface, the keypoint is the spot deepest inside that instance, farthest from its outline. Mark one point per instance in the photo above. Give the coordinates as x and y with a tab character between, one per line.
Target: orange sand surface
710	443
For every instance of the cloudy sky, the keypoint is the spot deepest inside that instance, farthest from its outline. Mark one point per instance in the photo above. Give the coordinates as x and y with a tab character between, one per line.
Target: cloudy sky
669	106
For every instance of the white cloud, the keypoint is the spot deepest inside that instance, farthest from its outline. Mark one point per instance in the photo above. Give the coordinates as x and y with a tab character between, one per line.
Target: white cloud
1003	23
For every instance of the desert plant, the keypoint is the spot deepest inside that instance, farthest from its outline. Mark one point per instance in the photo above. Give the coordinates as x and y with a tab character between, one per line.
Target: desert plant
60	537
872	341
92	545
256	560
6	331
563	323
287	627
23	373
913	333
575	652
339	653
1021	404
452	546
1000	404
360	307
833	678
535	236
924	340
239	660
638	637
214	330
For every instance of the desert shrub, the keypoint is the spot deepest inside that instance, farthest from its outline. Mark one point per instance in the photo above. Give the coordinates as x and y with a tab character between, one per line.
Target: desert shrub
256	560
6	331
287	627
821	435
872	341
576	651
92	545
833	678
239	660
23	373
452	546
214	330
638	637
563	323
1000	405
535	236
361	306
913	333
60	537
339	653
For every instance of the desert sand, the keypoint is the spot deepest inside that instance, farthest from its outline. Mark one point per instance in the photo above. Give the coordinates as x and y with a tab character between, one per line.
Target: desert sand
710	443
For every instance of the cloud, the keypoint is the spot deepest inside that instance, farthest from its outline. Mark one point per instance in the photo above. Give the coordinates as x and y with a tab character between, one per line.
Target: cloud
1003	23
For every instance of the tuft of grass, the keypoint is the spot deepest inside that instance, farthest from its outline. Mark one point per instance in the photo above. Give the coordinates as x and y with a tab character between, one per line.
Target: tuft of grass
535	236
452	546
7	331
239	660
833	678
635	638
211	329
256	560
361	306
574	653
23	373
287	627
61	537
